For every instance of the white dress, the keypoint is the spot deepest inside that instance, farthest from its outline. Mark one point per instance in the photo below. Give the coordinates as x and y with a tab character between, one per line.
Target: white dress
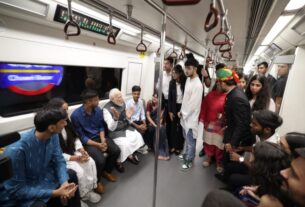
86	171
129	144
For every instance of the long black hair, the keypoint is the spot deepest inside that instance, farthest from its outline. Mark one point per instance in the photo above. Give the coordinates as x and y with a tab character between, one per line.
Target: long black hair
262	100
68	146
269	160
182	78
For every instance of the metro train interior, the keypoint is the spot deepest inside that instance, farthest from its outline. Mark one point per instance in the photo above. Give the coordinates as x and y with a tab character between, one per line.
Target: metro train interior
112	68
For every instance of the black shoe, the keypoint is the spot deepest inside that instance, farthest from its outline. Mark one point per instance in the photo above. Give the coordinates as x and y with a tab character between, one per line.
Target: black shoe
201	153
134	159
120	167
220	177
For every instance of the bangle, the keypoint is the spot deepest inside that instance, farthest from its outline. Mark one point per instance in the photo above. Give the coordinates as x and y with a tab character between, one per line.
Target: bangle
205	77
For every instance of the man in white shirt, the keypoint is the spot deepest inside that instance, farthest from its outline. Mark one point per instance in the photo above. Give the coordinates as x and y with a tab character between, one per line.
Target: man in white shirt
167	76
190	109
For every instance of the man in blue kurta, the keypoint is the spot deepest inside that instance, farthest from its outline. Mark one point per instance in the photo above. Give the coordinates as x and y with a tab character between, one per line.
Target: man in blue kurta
40	175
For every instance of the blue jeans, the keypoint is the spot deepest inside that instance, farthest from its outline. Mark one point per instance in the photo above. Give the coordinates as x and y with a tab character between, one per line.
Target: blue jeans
190	145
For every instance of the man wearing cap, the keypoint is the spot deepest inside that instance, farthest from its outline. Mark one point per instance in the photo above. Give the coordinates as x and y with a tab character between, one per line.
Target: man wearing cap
237	114
190	109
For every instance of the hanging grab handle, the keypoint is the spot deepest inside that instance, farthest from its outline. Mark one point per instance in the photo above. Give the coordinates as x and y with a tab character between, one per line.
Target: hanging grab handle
227	55
223	49
174	53
111	37
71	22
220	34
213	12
141	47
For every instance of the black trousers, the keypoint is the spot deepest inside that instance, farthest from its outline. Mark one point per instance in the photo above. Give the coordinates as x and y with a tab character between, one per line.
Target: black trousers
103	162
167	124
55	202
149	136
176	138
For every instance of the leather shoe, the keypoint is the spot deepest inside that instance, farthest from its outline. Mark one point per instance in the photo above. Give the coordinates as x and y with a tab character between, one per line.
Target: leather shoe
100	188
120	167
109	176
133	159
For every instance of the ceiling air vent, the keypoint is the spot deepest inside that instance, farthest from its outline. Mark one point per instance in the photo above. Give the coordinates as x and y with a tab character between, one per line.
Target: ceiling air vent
299	27
272	50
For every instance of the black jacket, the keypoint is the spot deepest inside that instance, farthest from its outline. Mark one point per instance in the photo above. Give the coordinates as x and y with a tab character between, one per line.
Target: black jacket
238	117
172	95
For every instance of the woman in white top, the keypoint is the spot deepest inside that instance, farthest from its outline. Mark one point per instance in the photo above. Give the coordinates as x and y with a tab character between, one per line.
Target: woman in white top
77	158
258	93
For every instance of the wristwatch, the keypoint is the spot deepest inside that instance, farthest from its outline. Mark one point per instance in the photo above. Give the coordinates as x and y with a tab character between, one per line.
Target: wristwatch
241	159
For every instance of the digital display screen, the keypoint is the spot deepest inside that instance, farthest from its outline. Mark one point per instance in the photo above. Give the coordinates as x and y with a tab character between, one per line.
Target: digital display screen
85	22
28	79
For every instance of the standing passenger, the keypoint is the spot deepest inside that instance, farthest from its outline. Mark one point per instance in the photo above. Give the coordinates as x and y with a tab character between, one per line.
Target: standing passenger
258	93
88	122
279	87
167	76
237	115
262	69
190	109
243	81
40	174
211	116
175	96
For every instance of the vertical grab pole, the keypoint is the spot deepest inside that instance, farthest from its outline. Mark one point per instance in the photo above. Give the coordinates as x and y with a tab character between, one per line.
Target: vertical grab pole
162	41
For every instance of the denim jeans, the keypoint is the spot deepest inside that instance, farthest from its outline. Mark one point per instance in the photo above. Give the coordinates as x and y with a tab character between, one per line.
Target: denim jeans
190	145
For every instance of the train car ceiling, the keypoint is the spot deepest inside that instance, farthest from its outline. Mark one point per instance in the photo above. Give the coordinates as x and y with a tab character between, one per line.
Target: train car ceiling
250	23
287	32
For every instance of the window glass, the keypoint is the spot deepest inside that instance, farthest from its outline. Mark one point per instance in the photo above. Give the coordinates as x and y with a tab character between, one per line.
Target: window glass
26	87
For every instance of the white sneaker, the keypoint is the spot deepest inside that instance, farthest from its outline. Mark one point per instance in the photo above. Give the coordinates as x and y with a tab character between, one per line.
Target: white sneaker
187	165
181	157
92	197
83	204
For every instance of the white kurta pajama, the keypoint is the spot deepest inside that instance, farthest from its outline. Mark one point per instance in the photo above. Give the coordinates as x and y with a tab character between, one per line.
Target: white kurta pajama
191	105
129	144
86	171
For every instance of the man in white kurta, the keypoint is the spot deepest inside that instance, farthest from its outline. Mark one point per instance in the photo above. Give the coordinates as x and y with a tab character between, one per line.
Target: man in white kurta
118	121
190	110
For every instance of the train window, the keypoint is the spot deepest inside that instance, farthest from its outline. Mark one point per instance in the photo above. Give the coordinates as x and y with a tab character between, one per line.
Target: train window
26	87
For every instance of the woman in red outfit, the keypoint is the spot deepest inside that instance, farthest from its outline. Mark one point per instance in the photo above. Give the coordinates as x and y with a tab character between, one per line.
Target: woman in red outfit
211	115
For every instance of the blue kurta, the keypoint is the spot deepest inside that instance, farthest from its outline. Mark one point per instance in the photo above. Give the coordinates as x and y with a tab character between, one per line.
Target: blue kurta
39	168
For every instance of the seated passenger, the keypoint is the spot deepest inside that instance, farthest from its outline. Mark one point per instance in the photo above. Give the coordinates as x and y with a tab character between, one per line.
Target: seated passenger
138	117
138	120
76	157
152	108
88	123
118	120
40	174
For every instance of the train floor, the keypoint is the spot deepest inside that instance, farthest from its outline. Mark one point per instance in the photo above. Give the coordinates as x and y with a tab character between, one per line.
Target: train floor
175	188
